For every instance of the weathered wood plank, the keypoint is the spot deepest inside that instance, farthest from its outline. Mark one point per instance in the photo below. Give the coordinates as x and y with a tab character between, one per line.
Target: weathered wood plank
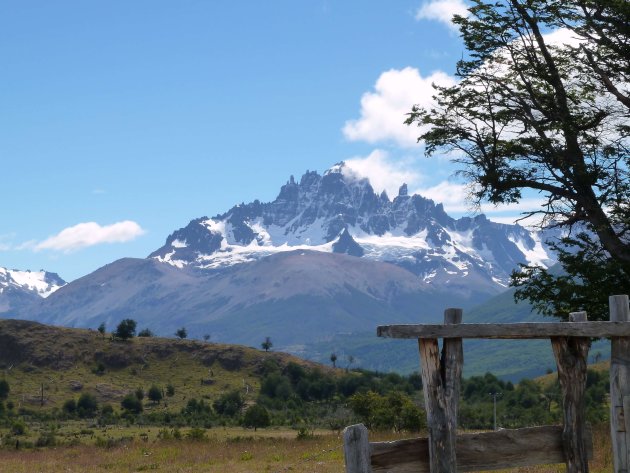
441	378
356	449
514	331
477	452
571	355
620	387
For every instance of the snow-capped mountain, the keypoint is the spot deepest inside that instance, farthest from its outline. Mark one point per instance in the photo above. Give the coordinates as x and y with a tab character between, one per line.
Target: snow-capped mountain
341	213
20	288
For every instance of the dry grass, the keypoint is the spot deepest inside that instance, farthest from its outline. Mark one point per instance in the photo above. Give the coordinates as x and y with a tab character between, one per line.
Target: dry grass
227	450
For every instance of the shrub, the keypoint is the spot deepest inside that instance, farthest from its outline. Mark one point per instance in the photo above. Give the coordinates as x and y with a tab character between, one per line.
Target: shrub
132	404
256	416
87	405
4	389
70	406
126	329
18	428
155	394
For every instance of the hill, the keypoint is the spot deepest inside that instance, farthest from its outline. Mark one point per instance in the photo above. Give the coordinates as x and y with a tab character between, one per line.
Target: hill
62	363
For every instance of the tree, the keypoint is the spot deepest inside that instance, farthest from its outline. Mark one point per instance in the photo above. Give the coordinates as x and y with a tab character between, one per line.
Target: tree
256	416
206	337
126	329
155	394
229	404
266	345
101	329
5	389
70	406
139	393
170	390
181	333
87	405
529	114
132	404
145	332
333	359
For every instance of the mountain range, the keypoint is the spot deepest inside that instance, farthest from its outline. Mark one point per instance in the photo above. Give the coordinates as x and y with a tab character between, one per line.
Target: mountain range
328	256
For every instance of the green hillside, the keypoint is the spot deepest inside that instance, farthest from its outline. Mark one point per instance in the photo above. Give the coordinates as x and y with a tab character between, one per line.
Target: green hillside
45	366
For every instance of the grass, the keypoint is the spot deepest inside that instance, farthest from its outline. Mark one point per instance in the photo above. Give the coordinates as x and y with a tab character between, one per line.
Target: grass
223	449
64	363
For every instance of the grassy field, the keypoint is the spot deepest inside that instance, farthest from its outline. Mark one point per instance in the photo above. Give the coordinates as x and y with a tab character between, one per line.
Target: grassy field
232	450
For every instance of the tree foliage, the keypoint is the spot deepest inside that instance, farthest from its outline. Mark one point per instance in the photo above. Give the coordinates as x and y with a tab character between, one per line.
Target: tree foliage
181	333
257	417
532	113
126	329
155	394
266	344
5	389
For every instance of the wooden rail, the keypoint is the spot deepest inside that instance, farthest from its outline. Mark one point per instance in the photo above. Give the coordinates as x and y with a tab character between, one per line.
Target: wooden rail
482	451
446	452
508	331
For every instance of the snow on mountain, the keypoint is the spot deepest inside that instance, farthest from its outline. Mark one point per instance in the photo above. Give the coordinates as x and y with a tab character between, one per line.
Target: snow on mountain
340	212
41	283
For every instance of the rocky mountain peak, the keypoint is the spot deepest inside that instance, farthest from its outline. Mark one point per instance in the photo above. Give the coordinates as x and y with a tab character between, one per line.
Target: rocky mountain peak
339	211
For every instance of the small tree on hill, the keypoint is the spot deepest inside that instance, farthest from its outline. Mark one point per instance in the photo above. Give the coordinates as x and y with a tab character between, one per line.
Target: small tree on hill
87	405
126	329
145	332
131	404
4	389
333	359
256	416
181	333
206	337
155	394
266	345
139	394
101	329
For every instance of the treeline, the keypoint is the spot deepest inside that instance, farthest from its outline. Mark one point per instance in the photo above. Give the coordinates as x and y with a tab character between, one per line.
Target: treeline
306	398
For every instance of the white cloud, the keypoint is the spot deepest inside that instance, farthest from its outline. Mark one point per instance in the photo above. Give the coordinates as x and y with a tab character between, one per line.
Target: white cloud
384	110
452	196
442	11
88	234
384	173
456	202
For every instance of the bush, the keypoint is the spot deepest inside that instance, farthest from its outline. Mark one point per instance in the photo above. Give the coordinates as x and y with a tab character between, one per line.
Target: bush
87	405
196	434
155	394
256	416
70	406
145	332
229	404
170	390
18	428
4	389
132	404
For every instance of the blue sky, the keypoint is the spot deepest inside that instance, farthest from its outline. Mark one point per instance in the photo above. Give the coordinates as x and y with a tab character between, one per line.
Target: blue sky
121	121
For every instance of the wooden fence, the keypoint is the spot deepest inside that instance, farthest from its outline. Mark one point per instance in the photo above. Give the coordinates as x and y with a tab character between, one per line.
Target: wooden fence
444	451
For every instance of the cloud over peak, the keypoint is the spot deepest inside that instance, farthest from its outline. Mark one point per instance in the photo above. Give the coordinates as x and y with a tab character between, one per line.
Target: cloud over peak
384	110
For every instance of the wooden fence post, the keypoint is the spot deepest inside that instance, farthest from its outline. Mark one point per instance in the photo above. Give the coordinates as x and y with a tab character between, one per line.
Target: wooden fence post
571	355
356	449
620	387
441	378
